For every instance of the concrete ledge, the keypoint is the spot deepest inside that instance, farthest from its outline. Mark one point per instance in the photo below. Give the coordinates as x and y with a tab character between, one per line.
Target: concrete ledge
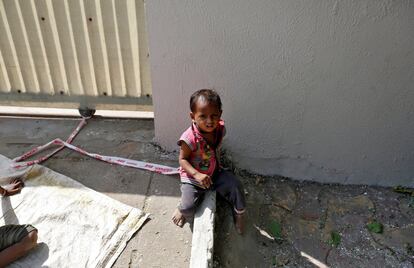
203	233
38	111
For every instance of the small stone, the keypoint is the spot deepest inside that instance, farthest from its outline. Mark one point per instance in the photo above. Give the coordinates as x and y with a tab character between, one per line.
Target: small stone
259	180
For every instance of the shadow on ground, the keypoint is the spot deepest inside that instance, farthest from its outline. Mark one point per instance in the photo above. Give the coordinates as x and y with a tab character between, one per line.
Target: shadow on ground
338	225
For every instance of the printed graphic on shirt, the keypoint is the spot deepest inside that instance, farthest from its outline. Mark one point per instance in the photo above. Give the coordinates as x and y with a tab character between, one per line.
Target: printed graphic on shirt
204	162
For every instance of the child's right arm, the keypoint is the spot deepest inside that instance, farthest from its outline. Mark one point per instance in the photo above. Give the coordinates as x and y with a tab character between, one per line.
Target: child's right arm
185	153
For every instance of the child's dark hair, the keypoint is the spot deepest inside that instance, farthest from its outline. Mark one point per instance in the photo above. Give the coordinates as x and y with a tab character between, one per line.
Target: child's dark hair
208	95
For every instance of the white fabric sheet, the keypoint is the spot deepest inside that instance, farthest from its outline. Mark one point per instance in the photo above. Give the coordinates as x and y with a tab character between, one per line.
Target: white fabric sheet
77	227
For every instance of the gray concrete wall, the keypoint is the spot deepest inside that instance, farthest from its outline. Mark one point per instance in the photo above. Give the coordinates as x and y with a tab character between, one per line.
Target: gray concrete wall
315	90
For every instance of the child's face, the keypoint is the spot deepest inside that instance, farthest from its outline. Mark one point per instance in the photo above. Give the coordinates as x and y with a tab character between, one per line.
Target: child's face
206	116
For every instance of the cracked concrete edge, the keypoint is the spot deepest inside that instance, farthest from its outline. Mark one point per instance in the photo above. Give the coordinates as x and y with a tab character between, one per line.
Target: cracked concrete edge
203	233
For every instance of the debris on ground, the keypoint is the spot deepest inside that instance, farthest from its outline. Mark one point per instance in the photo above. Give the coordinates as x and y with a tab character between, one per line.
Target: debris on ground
276	230
375	227
264	233
327	225
335	239
404	190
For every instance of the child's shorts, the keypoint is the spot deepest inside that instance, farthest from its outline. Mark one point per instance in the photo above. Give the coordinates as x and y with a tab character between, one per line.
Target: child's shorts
12	234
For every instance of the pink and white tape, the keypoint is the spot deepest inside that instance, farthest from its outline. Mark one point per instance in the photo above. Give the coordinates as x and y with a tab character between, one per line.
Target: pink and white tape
43	147
109	159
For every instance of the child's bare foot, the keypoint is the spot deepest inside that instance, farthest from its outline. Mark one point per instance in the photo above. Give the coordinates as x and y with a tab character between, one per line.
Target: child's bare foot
239	222
178	218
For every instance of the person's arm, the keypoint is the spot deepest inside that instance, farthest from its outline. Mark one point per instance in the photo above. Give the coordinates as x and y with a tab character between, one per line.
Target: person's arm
13	188
3	191
185	153
18	250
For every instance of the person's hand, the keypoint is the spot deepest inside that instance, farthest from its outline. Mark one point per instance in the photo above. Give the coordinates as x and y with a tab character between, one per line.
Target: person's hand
13	188
203	179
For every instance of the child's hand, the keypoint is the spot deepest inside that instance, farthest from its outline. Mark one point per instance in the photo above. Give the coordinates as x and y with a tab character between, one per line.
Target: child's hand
203	179
13	188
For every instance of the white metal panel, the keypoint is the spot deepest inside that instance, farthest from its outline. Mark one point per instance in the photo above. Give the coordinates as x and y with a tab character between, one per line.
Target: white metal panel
4	78
95	29
114	46
85	48
10	55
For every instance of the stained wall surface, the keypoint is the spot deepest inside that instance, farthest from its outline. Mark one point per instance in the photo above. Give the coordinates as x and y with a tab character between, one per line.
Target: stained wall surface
313	90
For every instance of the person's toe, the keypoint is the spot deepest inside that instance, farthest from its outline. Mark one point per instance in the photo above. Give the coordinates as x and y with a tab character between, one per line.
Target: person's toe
178	218
174	216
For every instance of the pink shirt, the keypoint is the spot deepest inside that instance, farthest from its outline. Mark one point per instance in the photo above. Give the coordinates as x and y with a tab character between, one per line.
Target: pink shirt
204	158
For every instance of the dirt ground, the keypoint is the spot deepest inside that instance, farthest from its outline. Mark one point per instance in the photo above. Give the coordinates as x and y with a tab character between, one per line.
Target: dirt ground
337	225
285	218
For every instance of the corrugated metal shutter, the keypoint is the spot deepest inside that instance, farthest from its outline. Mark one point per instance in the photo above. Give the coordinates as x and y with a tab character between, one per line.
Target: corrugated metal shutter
78	52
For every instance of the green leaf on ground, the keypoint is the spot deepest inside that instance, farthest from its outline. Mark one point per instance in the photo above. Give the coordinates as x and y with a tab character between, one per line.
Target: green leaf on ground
276	230
274	261
375	227
372	210
404	190
411	202
409	249
335	239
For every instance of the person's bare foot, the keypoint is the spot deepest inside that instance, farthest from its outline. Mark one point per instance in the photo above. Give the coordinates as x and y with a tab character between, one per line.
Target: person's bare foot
239	223
178	218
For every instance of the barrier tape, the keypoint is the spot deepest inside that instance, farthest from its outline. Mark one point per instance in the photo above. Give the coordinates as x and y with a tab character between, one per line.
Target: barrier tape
44	147
166	170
